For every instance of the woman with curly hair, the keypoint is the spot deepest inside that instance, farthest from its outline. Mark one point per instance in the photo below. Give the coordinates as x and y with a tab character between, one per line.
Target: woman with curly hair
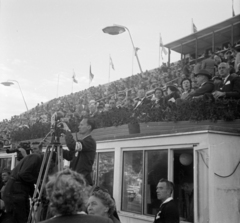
66	192
186	85
100	203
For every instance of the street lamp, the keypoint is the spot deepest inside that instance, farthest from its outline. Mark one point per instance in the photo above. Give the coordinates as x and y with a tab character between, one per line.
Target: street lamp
118	29
9	83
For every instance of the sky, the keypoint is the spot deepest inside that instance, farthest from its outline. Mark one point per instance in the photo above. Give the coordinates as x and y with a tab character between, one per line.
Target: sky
43	42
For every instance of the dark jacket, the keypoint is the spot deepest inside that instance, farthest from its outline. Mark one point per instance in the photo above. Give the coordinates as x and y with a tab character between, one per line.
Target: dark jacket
231	87
141	102
168	213
82	161
22	180
207	87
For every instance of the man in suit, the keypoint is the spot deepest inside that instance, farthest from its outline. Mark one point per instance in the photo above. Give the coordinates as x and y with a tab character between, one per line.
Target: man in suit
168	211
142	99
81	153
20	185
231	85
205	84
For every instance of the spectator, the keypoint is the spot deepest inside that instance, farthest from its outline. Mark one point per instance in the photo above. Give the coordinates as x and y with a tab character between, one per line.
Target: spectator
100	203
112	104
231	85
129	103
172	93
158	98
186	85
208	64
205	84
120	101
142	99
66	192
217	81
5	176
92	109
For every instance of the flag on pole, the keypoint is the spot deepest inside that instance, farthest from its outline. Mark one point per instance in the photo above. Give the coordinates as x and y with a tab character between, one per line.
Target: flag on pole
164	50
91	75
74	78
194	28
233	13
111	63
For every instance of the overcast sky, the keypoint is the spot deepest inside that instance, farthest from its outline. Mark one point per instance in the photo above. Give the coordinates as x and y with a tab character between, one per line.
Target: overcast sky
41	40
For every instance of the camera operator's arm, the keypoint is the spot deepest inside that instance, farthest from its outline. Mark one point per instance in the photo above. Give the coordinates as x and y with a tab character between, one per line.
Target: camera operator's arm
70	142
86	145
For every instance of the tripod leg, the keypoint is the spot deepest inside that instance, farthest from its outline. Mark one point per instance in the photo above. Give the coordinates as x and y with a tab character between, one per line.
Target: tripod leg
38	183
41	189
60	158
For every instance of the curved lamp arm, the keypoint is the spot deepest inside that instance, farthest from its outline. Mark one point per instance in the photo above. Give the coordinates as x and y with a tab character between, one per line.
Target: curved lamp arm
21	92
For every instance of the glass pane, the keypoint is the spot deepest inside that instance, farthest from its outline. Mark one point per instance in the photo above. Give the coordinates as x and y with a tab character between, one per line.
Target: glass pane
105	171
156	168
5	163
132	181
184	183
203	186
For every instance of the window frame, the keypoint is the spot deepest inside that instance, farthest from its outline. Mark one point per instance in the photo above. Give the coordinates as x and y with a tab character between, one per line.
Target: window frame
170	151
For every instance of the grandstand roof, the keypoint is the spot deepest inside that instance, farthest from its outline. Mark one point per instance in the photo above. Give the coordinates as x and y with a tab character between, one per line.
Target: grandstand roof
222	35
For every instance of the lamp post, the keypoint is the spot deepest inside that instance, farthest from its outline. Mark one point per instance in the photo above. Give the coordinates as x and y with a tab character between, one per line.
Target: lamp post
9	83
118	29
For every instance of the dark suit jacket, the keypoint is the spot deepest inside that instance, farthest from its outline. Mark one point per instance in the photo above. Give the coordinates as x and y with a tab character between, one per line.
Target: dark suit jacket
77	218
207	87
168	213
83	162
231	87
144	101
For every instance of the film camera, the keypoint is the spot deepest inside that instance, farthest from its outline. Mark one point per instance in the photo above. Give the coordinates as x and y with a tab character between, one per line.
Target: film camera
24	145
56	123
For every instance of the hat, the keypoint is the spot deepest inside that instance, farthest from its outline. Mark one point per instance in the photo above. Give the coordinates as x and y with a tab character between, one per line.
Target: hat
204	72
172	88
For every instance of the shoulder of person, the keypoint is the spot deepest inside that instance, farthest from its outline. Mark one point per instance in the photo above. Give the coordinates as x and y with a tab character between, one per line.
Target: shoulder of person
115	220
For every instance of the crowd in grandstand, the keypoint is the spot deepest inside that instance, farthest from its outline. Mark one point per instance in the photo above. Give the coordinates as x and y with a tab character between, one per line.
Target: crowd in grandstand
173	83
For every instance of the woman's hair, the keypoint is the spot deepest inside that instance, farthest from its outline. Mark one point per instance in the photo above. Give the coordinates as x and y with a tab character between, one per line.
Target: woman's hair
66	192
184	79
106	199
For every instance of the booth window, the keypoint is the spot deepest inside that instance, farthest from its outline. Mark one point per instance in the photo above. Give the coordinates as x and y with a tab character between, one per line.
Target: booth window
138	167
5	163
103	170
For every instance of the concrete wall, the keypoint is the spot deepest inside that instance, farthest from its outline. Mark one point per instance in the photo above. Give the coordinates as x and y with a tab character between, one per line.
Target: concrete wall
224	158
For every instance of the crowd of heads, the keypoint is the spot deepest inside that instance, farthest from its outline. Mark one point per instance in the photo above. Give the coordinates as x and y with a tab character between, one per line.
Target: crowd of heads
172	79
68	194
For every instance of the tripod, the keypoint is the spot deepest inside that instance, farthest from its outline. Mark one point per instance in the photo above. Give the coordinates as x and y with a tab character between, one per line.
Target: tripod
54	146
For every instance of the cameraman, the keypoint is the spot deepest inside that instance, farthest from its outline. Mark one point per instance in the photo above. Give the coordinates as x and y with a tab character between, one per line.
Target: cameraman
81	153
20	185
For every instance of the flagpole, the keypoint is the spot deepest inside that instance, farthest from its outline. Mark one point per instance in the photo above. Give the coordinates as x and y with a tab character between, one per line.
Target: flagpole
133	60
58	85
192	26
72	81
89	76
109	69
159	59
